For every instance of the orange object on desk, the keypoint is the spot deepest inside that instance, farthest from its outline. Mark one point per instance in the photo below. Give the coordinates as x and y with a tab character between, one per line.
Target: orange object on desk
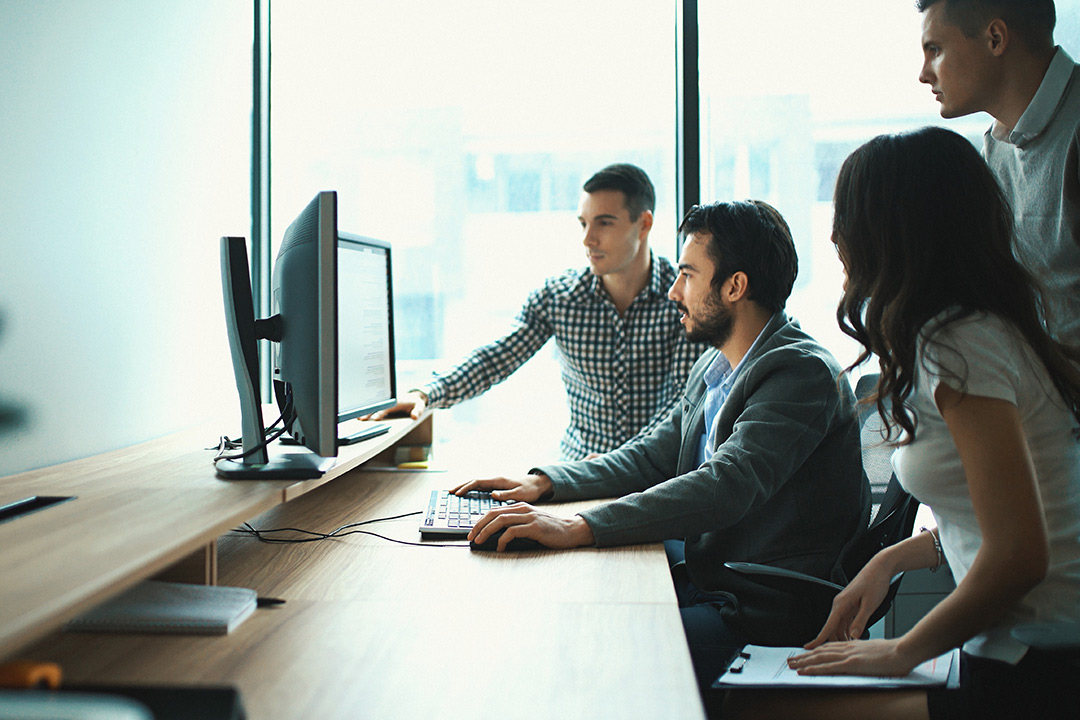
29	674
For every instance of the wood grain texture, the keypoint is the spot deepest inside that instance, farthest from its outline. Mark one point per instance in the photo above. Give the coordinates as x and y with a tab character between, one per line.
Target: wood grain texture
371	628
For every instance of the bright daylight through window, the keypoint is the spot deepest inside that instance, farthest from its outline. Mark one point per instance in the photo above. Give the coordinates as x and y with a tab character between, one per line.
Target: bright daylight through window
462	132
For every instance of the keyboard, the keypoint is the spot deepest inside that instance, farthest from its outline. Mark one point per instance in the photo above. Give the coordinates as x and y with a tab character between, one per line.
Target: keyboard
449	514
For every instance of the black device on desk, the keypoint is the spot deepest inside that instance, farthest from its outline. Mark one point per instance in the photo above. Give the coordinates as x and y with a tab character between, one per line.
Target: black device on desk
175	702
332	349
127	702
450	515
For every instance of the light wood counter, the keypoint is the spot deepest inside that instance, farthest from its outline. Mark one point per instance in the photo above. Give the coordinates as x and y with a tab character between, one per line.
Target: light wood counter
372	628
136	512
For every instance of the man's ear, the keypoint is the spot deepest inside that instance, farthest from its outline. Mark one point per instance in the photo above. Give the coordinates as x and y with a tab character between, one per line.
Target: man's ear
646	223
737	287
997	37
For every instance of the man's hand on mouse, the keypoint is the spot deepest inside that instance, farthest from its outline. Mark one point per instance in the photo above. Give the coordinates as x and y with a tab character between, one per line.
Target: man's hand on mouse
522	520
527	489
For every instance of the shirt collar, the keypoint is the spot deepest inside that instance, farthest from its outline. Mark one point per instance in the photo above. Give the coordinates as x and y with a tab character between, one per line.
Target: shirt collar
720	372
655	288
1042	107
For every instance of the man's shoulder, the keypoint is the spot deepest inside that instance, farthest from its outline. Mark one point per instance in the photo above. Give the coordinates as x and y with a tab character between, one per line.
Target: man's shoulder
664	267
789	344
571	282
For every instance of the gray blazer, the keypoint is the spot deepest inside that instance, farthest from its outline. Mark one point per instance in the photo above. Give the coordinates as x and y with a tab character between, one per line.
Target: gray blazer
784	487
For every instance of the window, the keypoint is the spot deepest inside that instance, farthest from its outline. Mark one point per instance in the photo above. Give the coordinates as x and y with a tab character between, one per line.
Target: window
788	90
462	133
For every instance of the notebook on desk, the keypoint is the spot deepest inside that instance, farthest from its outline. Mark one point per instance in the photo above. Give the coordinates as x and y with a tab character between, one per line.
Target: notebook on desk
171	608
449	515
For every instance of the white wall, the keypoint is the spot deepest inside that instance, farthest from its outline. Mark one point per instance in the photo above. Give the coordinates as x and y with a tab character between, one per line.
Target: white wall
124	156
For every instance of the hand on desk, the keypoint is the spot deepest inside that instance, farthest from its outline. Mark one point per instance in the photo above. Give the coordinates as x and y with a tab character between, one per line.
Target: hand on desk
522	520
876	658
413	403
527	489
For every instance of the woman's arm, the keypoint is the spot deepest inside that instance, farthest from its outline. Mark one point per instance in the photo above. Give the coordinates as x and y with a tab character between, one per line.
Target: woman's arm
853	605
1013	557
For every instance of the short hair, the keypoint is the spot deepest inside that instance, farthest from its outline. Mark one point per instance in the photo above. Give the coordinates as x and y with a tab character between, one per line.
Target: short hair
752	237
1032	20
631	181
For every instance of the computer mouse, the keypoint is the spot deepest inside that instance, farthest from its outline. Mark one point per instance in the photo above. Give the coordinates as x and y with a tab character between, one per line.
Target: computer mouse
516	544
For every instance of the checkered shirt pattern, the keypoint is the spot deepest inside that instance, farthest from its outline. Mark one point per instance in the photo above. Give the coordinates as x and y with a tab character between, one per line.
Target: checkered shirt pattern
623	375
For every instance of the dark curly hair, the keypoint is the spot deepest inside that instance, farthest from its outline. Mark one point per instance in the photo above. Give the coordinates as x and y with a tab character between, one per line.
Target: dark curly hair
923	229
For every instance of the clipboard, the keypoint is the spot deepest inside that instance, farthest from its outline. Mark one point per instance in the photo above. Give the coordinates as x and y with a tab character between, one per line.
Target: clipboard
761	667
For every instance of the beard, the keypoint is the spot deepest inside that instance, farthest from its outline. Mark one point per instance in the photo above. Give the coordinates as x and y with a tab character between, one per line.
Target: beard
713	326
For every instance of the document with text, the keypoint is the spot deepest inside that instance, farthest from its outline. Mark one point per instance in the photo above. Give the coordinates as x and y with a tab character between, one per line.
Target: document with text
766	667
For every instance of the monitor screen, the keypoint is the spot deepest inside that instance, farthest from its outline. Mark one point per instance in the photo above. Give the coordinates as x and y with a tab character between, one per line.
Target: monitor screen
366	378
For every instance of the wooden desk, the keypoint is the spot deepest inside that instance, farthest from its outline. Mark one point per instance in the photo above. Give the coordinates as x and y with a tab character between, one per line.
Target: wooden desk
376	629
137	511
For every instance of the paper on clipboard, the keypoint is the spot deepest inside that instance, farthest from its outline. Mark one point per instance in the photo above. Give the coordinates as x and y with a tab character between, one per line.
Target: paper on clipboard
766	667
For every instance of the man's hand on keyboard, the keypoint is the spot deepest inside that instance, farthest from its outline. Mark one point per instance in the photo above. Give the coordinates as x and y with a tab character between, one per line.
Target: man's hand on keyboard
522	520
527	489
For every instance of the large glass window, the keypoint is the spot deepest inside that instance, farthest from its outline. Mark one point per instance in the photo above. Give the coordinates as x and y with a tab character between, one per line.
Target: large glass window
788	89
462	132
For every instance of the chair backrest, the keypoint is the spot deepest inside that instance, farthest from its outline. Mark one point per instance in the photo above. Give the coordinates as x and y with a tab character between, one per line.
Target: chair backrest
876	453
894	511
894	521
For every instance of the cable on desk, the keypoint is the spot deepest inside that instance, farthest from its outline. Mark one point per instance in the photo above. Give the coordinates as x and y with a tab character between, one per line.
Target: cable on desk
225	443
343	531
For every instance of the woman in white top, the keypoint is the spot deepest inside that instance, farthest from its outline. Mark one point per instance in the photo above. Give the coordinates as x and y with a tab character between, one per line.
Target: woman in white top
985	409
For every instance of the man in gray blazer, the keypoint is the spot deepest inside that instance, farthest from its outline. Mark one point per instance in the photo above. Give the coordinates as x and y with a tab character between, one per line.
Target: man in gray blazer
760	462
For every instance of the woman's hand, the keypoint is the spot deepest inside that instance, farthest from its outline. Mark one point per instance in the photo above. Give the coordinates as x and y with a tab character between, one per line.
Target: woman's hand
852	607
876	658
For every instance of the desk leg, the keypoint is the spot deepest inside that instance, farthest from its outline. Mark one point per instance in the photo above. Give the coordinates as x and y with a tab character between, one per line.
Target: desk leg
198	568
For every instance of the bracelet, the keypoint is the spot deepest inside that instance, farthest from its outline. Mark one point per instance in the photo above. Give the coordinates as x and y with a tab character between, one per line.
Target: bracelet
937	548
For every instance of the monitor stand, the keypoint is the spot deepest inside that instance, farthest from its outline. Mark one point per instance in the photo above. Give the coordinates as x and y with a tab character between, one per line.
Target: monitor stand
293	466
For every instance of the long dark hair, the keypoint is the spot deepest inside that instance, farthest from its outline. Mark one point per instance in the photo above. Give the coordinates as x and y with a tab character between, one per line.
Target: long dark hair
922	228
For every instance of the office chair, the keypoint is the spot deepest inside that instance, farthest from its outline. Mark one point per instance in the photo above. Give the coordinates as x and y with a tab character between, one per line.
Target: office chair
892	519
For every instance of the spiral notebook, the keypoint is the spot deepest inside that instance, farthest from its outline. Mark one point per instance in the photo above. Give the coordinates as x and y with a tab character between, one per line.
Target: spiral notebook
153	606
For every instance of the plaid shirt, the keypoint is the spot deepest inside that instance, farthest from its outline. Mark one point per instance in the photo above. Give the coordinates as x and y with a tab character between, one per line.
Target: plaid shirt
622	374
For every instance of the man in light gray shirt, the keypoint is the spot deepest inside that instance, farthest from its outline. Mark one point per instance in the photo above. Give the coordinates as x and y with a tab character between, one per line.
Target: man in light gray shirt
999	57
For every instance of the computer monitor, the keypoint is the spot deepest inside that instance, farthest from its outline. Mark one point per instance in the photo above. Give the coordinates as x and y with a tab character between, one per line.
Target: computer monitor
367	380
332	339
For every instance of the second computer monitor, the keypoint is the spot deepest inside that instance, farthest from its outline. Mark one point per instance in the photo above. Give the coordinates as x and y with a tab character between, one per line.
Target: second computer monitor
366	378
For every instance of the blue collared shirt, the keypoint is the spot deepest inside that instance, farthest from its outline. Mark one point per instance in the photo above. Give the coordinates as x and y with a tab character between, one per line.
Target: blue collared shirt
719	379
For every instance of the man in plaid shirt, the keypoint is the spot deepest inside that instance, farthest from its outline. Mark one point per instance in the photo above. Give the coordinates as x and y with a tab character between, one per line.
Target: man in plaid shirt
624	355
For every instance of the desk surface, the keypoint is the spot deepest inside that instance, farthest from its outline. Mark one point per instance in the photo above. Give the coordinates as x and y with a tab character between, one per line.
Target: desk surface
135	511
370	628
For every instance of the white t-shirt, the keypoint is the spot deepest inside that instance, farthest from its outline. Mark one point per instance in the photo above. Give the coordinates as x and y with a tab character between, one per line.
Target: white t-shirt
992	360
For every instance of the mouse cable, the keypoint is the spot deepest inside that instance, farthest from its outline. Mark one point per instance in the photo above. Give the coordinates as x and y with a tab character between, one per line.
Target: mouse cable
343	531
320	535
